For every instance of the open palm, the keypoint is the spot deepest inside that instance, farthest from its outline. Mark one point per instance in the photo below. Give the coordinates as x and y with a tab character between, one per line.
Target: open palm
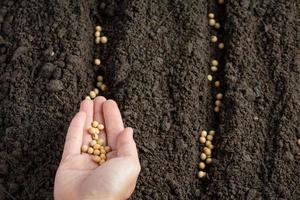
78	177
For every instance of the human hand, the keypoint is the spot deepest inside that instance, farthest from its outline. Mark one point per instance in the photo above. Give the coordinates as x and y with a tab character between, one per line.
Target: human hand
78	176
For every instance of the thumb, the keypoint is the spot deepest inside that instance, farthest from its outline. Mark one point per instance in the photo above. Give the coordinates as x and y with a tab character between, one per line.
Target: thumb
126	146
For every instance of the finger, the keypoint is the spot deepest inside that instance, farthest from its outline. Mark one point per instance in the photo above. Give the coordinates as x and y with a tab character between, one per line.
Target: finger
98	114
126	146
74	136
87	106
113	122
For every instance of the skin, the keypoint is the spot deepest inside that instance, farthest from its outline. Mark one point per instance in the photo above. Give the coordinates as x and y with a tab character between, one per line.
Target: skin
78	177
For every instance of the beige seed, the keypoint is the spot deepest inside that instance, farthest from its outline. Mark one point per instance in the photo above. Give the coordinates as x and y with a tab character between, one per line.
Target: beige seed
201	174
214	68
203	156
202	140
298	141
97	61
213	38
102	150
84	148
217	109
93	142
211	22
98	28
100	78
95	136
211	15
203	133
103	39
212	132
201	165
211	147
95	124
90	150
97	34
100	127
97	40
219	96
92	130
88	98
107	149
218	103
214	63
103	87
96	152
209	77
102	162
100	141
96	158
217	25
96	91
102	156
208	143
221	1
221	45
99	85
209	137
217	84
207	151
93	94
208	161
97	146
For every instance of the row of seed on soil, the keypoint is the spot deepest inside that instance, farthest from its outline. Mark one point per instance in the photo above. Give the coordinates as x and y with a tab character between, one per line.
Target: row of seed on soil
206	138
96	147
99	39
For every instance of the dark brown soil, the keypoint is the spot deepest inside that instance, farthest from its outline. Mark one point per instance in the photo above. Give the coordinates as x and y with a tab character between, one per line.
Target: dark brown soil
155	63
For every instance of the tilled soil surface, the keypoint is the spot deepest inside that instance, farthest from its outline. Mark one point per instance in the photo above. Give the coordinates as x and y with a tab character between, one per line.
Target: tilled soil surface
155	64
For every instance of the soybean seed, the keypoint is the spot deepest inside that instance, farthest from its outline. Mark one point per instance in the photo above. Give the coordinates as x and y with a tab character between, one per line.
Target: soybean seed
97	146
103	87
214	63
95	136
217	25
97	34
92	130
203	156
221	1
298	141
201	174
209	77
100	141
96	158
99	84
212	132
214	39
211	146
93	142
207	151
208	143
100	78
208	161
90	150
97	40
107	149
217	109
96	152
102	150
96	91
84	148
203	133
211	15
214	68
95	124
100	127
93	94
218	103
221	45
98	28
88	98
102	156
201	165
217	84
103	39
219	96
209	137
202	140
97	61
101	162
211	22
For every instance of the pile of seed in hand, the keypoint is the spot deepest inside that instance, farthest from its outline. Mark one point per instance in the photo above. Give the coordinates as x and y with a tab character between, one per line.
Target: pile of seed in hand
96	148
99	39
